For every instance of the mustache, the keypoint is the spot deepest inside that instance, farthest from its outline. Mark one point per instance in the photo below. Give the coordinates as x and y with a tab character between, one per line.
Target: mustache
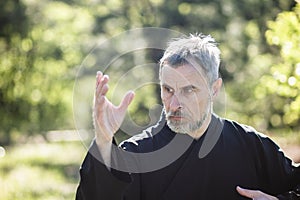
176	113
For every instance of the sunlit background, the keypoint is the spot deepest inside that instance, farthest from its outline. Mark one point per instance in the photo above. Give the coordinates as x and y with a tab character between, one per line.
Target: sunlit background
44	44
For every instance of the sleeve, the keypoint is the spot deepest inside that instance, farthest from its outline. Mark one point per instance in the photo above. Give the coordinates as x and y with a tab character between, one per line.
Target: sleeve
282	175
291	195
98	182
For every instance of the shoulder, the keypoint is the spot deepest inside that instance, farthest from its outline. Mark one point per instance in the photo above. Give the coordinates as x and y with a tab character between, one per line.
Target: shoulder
243	129
248	134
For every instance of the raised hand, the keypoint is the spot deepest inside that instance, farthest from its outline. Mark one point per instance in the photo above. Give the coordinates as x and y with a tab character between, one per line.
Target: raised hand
107	117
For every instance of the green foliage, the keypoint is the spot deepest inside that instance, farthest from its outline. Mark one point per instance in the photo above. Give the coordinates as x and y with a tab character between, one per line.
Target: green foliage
272	76
283	82
42	43
37	65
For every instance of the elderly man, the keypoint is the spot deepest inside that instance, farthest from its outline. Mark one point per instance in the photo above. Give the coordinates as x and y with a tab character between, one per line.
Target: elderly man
212	158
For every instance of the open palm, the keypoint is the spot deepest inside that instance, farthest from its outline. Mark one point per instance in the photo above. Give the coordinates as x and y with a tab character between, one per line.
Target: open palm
108	117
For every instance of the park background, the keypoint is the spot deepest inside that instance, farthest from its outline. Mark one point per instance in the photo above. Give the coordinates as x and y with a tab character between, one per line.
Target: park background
43	45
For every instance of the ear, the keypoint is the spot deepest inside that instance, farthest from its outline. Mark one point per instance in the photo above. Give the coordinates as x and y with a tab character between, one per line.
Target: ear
216	87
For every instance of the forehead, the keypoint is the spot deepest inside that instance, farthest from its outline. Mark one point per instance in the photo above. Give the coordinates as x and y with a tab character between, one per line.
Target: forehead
183	75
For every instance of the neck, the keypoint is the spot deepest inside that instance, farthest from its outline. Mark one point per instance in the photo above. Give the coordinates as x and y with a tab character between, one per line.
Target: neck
199	132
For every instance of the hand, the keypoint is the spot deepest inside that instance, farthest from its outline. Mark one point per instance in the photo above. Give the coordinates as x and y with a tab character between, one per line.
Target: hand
254	194
107	117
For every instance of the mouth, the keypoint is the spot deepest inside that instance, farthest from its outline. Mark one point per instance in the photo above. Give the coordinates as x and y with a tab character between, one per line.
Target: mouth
176	118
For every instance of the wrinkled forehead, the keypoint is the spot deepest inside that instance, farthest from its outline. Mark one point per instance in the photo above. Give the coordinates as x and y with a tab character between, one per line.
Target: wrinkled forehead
177	60
183	75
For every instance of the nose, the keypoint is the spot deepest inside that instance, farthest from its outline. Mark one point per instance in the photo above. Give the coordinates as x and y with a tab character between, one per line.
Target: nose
174	103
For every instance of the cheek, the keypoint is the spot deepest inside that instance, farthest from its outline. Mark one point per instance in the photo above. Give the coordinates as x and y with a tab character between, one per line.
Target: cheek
196	104
203	106
165	100
164	96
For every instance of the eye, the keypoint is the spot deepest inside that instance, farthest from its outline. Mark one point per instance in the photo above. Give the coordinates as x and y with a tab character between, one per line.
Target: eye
189	90
168	89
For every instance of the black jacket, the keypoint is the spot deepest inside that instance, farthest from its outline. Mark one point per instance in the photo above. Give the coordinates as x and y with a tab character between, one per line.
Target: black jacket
241	156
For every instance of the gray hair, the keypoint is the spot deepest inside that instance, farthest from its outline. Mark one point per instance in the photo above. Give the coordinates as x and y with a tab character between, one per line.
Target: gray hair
198	48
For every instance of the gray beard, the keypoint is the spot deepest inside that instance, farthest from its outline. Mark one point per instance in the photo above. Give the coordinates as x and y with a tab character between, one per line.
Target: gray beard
185	128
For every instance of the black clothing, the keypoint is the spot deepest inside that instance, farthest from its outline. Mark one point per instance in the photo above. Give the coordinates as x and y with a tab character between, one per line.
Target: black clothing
240	157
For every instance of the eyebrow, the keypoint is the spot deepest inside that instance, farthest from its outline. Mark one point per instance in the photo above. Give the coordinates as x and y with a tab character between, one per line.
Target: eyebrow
189	87
184	87
166	85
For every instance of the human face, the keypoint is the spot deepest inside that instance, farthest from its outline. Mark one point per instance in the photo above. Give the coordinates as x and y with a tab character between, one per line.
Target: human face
186	97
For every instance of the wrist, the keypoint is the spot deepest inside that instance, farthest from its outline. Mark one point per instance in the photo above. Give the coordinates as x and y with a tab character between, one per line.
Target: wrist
101	138
104	148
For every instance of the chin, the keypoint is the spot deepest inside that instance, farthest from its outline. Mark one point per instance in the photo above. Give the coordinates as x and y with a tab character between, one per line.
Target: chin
185	128
177	128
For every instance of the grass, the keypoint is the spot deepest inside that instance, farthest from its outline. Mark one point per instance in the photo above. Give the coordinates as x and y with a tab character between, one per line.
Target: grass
41	171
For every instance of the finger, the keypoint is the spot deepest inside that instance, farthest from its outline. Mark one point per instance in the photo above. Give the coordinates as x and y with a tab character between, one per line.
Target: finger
99	101
98	77
247	193
126	100
101	91
104	89
104	80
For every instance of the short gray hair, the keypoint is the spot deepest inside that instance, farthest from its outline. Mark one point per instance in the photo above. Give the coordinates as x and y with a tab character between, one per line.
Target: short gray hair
198	48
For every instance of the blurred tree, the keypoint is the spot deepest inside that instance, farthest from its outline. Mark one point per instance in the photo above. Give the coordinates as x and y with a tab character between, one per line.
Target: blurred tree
39	50
240	28
43	42
14	27
281	86
248	57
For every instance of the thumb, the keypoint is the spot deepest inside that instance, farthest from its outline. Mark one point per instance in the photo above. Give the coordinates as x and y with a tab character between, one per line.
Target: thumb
247	193
255	194
127	99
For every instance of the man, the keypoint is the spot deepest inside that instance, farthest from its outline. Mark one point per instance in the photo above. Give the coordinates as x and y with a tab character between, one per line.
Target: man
213	158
